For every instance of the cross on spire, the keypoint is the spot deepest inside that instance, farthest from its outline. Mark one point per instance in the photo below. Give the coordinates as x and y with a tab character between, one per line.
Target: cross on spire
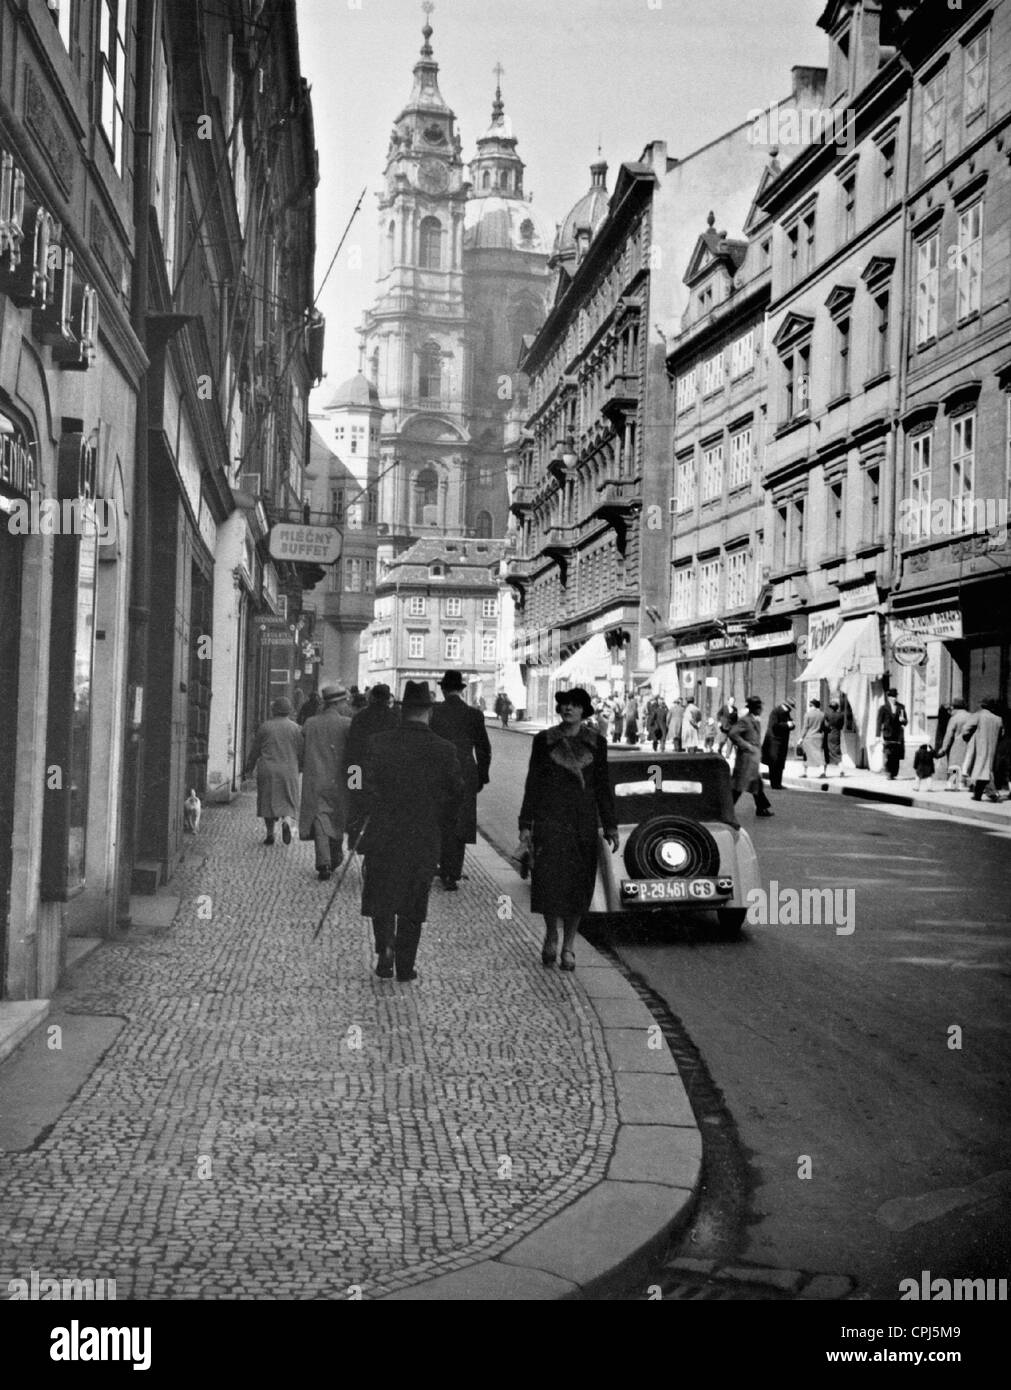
499	72
427	6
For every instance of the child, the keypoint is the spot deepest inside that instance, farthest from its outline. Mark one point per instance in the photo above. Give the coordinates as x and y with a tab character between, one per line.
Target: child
923	767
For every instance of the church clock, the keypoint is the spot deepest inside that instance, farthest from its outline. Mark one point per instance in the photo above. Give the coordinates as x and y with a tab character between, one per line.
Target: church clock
433	177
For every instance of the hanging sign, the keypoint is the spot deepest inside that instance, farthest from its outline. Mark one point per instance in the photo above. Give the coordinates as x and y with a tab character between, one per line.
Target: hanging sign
318	545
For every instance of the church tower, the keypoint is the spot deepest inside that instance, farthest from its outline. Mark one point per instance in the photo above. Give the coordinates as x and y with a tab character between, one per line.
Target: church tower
415	336
506	247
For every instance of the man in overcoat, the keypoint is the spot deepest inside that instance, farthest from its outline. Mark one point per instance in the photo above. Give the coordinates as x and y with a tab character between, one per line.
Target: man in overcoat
464	727
276	753
376	718
952	745
982	734
323	811
746	736
411	779
891	730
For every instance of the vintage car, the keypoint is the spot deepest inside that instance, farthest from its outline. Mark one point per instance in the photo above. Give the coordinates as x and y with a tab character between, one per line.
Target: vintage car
681	847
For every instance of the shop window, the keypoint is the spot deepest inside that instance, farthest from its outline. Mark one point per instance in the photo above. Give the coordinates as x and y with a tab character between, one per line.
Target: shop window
71	663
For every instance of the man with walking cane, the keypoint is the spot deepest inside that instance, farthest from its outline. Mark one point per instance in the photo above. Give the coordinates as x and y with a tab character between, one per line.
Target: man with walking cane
411	783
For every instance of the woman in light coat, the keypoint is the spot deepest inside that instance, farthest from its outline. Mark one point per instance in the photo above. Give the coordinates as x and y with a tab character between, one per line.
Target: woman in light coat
983	732
691	728
276	754
812	739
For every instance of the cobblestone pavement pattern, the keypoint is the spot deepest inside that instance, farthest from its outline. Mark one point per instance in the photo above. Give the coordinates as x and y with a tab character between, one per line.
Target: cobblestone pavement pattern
237	1142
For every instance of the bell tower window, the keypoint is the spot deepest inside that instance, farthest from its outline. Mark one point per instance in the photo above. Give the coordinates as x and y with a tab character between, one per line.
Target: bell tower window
426	496
430	244
430	373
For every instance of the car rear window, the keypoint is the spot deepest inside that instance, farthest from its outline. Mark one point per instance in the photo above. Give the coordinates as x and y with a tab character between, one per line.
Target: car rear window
696	786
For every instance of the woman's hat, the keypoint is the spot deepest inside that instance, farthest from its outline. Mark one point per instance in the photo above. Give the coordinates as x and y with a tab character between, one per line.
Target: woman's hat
417	696
576	696
452	680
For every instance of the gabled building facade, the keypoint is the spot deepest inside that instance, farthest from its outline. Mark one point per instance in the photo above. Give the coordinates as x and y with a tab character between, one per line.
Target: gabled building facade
950	615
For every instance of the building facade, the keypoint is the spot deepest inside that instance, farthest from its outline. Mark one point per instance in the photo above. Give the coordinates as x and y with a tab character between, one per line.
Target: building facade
949	627
463	279
71	366
438	609
595	484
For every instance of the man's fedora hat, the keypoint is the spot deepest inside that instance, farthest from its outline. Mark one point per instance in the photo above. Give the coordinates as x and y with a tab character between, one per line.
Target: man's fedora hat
416	695
333	690
576	696
452	680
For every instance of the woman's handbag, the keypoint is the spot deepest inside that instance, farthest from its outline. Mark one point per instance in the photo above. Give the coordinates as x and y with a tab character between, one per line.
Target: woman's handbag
523	858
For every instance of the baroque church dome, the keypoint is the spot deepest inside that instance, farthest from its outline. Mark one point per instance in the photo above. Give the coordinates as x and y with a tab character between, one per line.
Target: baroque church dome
587	215
498	215
356	391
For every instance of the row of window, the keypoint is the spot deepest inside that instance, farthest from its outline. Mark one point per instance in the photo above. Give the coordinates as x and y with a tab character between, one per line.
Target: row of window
417	606
739	359
965	257
342	507
452	647
962	482
742	455
718	584
354	576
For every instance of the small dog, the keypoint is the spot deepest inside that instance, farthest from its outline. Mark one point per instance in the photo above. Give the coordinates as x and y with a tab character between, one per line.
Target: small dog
191	814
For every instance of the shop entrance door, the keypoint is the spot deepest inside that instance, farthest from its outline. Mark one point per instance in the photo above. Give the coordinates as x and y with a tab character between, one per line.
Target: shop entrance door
10	647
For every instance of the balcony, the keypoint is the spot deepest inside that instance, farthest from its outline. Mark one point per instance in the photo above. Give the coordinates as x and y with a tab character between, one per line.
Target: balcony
554	542
617	498
522	498
621	396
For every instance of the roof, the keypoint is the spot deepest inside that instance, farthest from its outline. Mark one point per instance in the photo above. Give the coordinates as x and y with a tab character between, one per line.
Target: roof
495	223
356	391
589	211
467	563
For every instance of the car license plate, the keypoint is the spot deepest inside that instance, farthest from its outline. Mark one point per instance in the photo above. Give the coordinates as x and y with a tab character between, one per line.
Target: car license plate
675	889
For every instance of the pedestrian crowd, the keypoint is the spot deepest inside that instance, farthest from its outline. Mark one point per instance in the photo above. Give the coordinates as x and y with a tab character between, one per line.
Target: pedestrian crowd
399	781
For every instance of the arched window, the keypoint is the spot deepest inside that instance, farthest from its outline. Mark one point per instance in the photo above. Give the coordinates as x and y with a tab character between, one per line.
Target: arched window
503	178
482	525
374	367
430	244
430	373
426	498
486	179
391	241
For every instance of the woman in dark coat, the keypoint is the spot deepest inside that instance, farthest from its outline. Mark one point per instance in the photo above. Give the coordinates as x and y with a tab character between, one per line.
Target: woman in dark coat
277	756
834	721
776	744
566	799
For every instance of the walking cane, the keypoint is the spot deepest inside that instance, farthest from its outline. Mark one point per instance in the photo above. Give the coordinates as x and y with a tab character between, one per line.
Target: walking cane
340	879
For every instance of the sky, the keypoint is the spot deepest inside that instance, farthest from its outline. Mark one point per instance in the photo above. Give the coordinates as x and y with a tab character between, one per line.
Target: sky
577	74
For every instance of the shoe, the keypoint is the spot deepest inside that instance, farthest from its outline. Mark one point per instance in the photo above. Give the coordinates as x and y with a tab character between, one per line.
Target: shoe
269	840
568	960
322	875
384	965
549	952
405	979
450	884
286	833
765	813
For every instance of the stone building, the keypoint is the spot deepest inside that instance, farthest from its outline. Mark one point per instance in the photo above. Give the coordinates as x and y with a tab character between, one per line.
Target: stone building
949	630
463	278
341	489
71	370
437	609
594	477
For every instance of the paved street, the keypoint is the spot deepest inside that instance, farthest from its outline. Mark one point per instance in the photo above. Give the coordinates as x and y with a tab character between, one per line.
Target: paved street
273	1121
835	1045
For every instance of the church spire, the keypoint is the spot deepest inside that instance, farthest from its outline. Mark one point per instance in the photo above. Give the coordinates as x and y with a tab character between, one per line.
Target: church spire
426	48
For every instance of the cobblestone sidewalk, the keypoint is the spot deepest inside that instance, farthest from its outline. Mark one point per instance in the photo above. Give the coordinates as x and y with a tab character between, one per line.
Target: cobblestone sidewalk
274	1121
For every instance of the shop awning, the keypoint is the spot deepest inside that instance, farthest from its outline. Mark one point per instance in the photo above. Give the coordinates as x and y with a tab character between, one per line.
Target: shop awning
590	662
855	647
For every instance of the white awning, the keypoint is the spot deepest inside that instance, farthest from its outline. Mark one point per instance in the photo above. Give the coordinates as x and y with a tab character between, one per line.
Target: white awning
590	662
856	647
